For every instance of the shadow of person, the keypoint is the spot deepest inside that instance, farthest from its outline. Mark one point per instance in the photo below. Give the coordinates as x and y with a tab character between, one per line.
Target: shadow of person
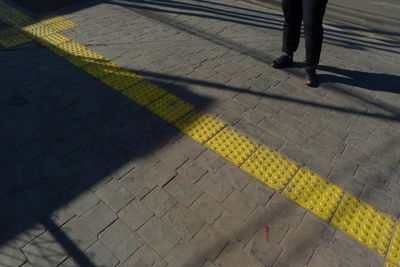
367	80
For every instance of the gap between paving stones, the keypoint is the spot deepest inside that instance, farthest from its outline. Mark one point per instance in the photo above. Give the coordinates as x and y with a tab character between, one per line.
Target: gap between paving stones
374	229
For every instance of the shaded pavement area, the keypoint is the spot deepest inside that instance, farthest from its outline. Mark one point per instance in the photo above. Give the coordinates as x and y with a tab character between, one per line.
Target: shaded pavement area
89	178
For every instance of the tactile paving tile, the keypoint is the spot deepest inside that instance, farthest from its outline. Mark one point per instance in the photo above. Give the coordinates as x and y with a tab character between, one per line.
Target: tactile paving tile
394	248
364	223
77	54
120	79
232	145
37	30
144	93
200	126
59	23
271	168
53	39
389	264
171	107
314	193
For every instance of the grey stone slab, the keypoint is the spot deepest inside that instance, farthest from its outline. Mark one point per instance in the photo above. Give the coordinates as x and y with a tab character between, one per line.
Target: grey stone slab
184	190
207	208
99	255
240	203
191	170
234	176
11	255
184	221
234	228
83	202
233	255
145	256
45	251
114	195
209	242
258	192
99	217
121	240
135	214
376	197
184	254
210	161
159	201
159	236
78	233
213	185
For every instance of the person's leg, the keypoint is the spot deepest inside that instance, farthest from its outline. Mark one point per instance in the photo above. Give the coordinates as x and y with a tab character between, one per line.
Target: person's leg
313	14
292	11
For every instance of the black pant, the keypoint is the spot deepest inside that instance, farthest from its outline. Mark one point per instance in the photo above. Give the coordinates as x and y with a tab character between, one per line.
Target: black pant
312	12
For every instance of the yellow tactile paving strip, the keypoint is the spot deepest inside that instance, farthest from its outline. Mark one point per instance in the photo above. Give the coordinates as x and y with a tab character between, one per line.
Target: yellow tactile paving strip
359	220
11	37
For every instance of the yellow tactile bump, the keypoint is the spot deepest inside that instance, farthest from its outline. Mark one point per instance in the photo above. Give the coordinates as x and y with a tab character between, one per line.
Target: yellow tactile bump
200	126
59	23
394	248
38	30
314	193
232	145
271	168
144	93
53	39
364	223
390	264
171	107
119	78
76	53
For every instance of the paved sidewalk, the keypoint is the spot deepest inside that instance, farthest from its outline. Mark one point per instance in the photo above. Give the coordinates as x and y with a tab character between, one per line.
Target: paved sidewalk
90	178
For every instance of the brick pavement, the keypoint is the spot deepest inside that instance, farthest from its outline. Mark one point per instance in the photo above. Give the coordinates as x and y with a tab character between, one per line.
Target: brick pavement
81	170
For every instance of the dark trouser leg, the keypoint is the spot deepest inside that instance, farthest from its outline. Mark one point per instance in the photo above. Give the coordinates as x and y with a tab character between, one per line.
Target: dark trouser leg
313	14
292	10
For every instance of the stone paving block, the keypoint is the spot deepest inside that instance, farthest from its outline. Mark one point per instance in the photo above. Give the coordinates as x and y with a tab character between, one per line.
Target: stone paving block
28	234
254	117
190	169
99	255
266	250
296	153
83	202
376	197
272	140
209	242
332	143
209	264
210	161
394	208
159	236
135	214
319	166
45	251
11	254
159	201
114	195
145	256
237	179
301	242
258	192
350	250
99	217
142	183
184	221
145	162
249	128
213	185
234	228
121	240
78	233
323	152
351	186
184	190
233	255
184	254
337	132
240	204
58	213
207	208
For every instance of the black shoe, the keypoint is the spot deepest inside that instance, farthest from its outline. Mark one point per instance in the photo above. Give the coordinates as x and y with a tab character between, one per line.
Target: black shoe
311	77
283	61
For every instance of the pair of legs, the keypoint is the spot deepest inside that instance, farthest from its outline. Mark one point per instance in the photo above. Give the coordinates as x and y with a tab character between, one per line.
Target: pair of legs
311	12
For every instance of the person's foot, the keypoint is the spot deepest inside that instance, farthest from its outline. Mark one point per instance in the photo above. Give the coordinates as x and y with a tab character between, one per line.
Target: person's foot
311	76
283	61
